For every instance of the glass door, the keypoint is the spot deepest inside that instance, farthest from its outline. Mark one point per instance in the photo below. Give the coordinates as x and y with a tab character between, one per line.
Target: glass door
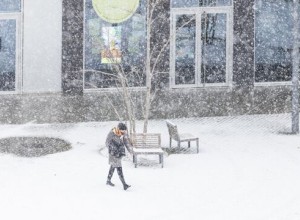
201	47
9	49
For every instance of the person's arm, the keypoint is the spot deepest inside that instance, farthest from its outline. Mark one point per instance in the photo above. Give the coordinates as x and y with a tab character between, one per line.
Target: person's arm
127	143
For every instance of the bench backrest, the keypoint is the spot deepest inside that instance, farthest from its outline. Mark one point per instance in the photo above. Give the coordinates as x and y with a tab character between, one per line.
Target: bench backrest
146	140
173	131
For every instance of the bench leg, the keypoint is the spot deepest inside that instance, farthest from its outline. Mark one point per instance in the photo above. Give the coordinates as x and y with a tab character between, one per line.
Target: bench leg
170	142
189	144
197	141
161	160
178	144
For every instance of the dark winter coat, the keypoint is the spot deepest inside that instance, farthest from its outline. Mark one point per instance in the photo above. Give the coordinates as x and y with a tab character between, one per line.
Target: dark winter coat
116	145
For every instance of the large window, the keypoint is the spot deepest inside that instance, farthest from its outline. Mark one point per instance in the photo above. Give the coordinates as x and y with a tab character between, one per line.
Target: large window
9	44
114	51
201	46
273	40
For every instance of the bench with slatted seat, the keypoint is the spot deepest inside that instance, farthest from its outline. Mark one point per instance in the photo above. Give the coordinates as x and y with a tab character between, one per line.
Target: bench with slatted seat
146	143
184	137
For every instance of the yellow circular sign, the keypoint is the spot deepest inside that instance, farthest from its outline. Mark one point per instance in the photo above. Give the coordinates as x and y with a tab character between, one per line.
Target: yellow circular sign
115	11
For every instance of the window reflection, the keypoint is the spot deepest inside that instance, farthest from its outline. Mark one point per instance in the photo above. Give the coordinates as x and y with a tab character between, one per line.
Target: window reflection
213	38
114	48
185	49
273	40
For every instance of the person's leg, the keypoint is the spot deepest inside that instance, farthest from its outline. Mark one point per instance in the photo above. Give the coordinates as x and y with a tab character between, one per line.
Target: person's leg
110	174
121	176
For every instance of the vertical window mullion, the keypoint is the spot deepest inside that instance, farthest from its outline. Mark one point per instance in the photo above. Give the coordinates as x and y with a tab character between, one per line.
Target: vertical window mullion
227	48
18	76
229	52
173	39
198	48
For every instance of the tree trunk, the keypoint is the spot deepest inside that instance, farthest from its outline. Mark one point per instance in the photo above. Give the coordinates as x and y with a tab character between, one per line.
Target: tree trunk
148	70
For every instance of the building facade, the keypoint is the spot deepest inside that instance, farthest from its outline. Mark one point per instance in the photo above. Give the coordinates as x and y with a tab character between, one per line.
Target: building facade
215	57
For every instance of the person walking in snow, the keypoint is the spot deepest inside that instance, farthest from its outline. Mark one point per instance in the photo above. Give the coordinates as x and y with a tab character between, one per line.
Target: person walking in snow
116	142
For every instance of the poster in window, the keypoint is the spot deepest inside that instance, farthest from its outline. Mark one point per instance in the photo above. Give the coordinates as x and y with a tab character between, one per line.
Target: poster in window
111	52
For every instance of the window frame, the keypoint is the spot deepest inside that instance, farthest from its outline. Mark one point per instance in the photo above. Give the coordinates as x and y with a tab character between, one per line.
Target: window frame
198	11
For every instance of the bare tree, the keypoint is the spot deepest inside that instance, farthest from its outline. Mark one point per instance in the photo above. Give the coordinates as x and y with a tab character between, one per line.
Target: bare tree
154	52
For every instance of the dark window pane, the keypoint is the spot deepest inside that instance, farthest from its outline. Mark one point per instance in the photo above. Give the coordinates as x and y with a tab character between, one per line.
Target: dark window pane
7	54
213	38
273	40
185	49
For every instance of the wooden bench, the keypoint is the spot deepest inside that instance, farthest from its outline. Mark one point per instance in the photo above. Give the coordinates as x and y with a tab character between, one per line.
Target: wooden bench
147	143
186	137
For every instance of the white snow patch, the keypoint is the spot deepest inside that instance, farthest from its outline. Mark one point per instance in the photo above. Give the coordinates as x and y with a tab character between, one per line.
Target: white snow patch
247	168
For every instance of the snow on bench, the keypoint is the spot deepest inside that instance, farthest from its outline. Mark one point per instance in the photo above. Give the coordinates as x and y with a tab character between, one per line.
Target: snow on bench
147	143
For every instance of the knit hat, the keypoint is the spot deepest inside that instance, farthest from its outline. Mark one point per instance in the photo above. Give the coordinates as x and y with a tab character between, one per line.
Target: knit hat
122	126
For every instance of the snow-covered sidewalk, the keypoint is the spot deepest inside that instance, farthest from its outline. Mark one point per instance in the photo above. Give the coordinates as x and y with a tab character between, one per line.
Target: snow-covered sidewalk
247	168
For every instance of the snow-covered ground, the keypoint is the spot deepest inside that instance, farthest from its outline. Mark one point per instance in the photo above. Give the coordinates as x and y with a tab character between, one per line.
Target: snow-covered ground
248	168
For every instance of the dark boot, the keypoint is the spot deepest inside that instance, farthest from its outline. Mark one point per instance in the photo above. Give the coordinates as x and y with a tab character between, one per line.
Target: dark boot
110	174
121	176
